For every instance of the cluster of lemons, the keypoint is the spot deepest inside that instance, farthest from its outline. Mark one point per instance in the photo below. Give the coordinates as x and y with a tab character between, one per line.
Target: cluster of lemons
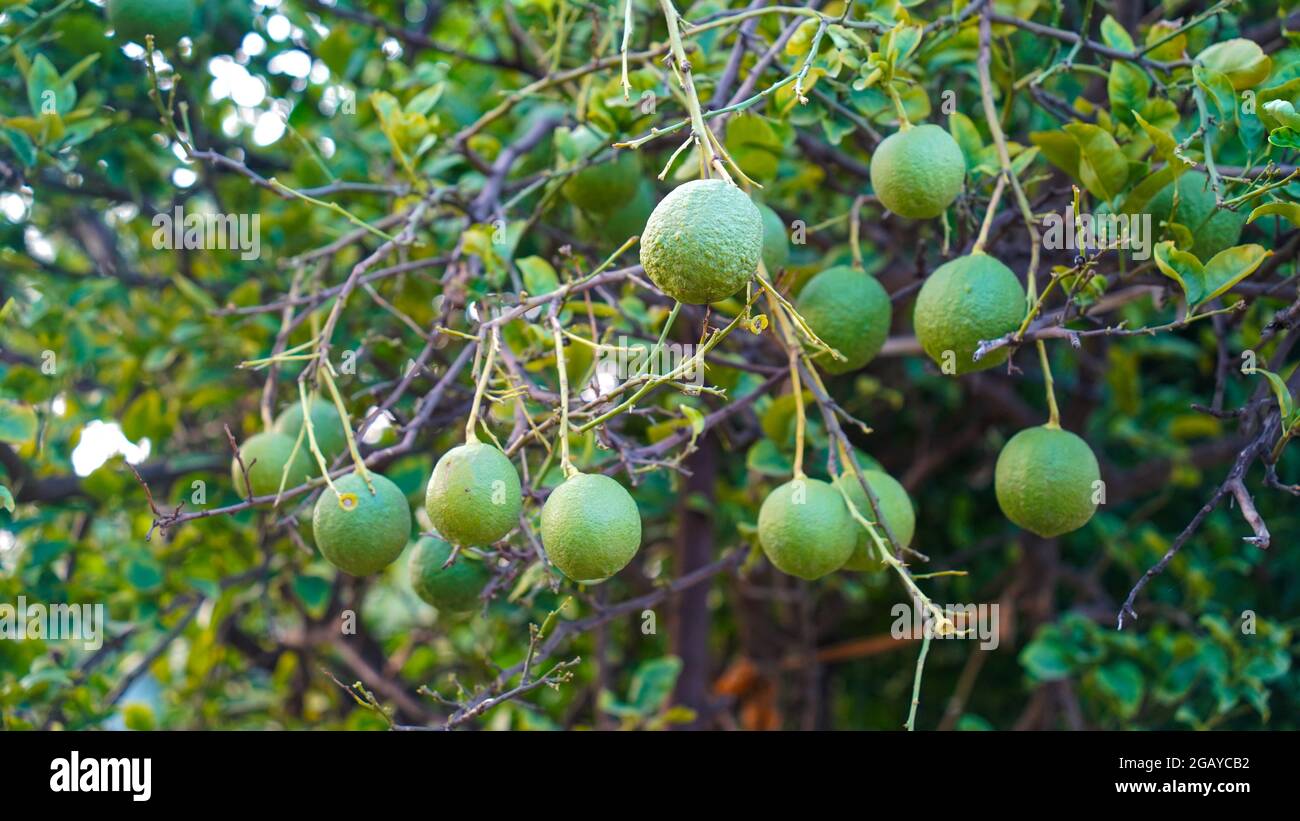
701	243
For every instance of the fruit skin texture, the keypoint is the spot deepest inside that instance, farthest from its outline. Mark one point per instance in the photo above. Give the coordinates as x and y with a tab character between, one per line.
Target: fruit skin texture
604	187
1044	481
1213	229
805	529
473	497
964	301
453	590
265	455
776	242
703	242
849	310
591	527
325	422
918	172
167	20
895	506
367	537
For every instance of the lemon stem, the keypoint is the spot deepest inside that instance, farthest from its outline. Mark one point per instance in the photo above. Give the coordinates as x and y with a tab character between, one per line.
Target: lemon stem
481	387
327	375
565	464
311	437
983	237
1053	413
663	335
796	387
903	122
682	68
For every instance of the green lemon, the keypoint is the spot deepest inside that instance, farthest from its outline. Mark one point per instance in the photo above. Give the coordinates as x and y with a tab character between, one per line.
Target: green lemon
265	455
359	532
325	423
591	527
918	172
167	20
776	242
453	589
965	301
849	310
1045	481
1213	229
473	496
703	242
805	529
624	222
605	186
895	506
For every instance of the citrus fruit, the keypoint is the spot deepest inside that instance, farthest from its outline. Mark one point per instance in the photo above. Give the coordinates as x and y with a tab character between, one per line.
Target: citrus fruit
265	455
1045	480
591	527
849	310
965	301
703	241
628	220
603	187
918	172
325	423
364	532
776	242
1213	229
895	506
805	529
454	589
167	20
473	496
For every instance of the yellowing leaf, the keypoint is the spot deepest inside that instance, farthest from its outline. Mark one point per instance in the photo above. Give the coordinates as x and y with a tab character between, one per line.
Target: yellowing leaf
1242	61
1230	266
1287	210
1183	268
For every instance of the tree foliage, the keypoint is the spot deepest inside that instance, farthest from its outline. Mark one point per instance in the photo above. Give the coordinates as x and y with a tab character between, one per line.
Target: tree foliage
411	179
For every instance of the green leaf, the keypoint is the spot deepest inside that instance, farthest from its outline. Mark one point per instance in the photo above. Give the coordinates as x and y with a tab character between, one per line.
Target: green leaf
193	293
1219	89
1289	211
1060	149
144	575
653	683
1115	35
47	93
963	130
143	415
313	591
765	459
1242	61
1285	404
17	423
1128	88
1285	137
1183	268
754	145
6	499
697	418
1142	193
1165	144
1282	93
21	144
1046	659
1230	266
1123	681
539	276
1103	168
